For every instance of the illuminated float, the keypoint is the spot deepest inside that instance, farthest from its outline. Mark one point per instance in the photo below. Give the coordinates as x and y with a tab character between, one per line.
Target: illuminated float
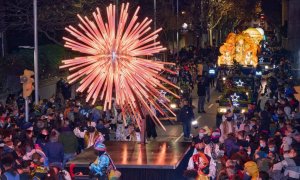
242	48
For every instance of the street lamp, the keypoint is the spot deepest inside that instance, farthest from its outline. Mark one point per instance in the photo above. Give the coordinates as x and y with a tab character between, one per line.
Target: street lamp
35	56
36	67
184	26
154	4
177	34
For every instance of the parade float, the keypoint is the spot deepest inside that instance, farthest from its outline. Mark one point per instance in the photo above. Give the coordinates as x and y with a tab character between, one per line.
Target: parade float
112	64
113	72
239	55
241	48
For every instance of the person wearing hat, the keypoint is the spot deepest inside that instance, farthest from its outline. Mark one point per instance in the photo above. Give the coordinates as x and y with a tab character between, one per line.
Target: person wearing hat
212	149
203	132
39	163
227	126
27	136
251	170
186	115
102	166
200	162
90	135
42	138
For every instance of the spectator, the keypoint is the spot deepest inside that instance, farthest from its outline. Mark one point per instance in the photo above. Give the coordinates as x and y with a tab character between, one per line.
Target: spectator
186	115
200	162
69	141
24	170
42	138
212	149
39	163
263	175
203	132
27	135
103	130
251	169
227	126
150	125
9	173
273	151
262	161
231	145
201	91
290	166
89	135
265	120
101	167
54	150
263	146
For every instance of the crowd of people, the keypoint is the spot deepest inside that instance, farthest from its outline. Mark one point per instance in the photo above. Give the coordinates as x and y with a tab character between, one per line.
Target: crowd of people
59	128
262	144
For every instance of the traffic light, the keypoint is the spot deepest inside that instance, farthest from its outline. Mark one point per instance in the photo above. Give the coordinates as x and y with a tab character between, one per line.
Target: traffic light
27	81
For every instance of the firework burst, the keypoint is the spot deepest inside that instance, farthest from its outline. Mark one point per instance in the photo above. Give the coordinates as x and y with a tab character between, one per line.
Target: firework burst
114	65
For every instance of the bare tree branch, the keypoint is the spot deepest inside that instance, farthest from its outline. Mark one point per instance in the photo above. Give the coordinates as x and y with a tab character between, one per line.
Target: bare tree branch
51	38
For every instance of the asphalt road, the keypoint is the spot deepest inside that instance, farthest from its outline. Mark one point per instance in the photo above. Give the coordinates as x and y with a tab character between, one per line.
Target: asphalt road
174	131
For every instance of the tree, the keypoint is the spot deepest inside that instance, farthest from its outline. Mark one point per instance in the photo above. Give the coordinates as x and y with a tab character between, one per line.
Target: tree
53	15
229	13
217	10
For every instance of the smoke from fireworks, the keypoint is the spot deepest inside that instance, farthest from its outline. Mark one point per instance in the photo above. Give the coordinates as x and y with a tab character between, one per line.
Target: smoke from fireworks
114	66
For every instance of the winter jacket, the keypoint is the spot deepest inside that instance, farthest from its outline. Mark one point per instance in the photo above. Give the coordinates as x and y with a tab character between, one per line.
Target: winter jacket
69	141
54	151
186	114
201	91
265	120
291	169
231	147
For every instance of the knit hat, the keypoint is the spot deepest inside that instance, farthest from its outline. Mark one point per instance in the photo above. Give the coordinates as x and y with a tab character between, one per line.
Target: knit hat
27	126
252	169
215	134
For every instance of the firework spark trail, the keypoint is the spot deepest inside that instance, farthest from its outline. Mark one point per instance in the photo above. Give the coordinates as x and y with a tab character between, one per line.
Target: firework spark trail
114	65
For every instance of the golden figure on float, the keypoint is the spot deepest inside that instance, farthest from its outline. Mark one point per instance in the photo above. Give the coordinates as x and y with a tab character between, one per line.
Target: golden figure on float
227	50
242	48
